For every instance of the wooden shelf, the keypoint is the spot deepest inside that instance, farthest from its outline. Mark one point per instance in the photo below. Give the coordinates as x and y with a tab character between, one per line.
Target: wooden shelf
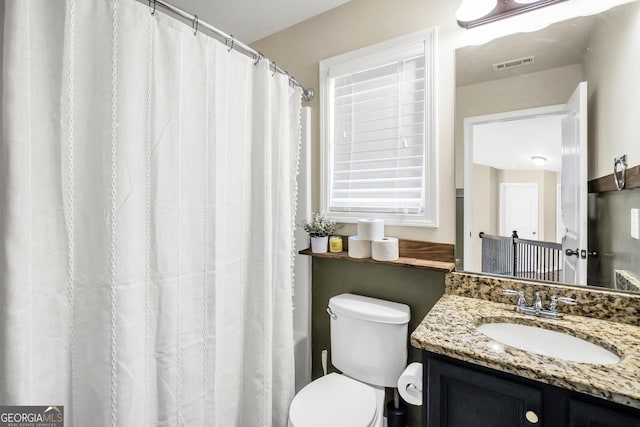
413	254
606	183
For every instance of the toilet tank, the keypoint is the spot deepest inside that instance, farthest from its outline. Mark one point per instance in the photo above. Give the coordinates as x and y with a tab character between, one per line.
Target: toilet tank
369	338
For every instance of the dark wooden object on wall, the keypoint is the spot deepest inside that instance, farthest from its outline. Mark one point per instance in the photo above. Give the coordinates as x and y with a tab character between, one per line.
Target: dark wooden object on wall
426	255
606	183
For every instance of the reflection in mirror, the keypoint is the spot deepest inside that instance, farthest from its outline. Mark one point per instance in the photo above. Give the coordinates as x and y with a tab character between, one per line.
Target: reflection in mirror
565	97
511	195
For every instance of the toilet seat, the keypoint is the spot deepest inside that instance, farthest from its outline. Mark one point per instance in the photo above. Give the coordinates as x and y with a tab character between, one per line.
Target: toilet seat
334	400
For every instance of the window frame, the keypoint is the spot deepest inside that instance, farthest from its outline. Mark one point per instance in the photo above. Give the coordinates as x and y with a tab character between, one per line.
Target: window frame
359	59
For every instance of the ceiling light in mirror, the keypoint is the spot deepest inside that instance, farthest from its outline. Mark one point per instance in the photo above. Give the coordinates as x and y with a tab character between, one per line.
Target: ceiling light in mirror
539	160
535	20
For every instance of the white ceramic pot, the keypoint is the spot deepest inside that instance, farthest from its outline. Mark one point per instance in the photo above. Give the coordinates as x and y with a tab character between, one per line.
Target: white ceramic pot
319	244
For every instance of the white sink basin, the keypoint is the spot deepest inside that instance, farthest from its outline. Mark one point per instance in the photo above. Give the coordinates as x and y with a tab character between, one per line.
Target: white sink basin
548	343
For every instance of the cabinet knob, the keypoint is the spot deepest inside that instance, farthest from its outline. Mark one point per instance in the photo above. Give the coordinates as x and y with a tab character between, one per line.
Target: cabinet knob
532	417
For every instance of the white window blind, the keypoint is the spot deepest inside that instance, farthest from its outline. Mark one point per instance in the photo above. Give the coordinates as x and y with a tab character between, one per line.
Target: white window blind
378	133
378	139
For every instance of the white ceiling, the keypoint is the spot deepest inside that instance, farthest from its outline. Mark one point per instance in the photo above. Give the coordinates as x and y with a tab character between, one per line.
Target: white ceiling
252	20
509	145
560	44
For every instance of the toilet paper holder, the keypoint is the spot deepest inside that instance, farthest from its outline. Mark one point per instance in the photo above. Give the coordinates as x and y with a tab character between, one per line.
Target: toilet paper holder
410	384
411	387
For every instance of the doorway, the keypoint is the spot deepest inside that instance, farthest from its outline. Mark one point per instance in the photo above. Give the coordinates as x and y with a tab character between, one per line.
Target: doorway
510	162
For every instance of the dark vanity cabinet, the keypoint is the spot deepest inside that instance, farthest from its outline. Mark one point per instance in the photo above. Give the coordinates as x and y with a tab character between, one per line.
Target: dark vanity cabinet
582	414
463	397
459	394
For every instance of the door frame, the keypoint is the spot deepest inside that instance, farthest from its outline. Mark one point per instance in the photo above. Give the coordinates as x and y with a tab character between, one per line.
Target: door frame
559	221
468	124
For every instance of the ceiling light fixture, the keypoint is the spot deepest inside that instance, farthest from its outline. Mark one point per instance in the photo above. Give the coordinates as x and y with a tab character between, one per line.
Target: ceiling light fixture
472	13
539	160
470	10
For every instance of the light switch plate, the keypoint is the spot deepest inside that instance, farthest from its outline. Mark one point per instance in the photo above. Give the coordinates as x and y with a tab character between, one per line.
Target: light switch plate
635	232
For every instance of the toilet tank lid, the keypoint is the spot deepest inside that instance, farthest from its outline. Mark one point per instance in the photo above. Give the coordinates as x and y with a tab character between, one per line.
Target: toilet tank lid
371	309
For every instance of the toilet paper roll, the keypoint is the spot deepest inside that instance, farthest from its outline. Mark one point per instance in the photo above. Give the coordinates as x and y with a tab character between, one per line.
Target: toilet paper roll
359	248
385	249
370	229
410	384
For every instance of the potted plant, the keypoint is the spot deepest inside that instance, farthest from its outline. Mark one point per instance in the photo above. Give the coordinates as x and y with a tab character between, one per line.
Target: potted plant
319	228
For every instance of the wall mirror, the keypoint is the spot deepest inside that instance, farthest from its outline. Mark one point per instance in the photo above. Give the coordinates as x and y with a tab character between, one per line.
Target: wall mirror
540	117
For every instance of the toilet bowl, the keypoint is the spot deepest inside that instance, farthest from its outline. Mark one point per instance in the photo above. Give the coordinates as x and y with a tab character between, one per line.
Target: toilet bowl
368	344
338	401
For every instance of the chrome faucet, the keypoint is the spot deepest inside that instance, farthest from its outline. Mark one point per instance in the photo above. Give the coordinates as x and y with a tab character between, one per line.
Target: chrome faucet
537	308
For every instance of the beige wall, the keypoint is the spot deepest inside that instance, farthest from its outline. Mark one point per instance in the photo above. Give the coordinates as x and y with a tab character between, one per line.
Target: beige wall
361	23
532	90
612	68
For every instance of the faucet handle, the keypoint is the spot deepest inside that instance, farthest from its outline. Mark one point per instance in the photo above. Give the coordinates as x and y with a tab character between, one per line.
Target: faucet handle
537	303
553	306
522	301
567	300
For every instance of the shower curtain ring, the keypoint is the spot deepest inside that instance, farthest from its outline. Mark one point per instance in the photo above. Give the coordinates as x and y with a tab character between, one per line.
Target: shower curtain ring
233	40
153	12
275	69
258	57
194	24
291	79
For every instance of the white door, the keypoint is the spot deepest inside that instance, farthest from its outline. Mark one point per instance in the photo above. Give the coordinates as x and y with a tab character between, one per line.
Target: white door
574	187
519	210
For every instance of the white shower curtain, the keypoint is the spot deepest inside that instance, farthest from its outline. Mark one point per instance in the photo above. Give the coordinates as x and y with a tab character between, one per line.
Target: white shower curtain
146	215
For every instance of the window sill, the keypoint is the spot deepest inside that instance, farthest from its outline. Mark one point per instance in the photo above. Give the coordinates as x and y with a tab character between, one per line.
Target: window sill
413	254
393	220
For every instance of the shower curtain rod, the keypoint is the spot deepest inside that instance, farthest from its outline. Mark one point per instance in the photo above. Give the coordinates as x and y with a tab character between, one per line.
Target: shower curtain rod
229	40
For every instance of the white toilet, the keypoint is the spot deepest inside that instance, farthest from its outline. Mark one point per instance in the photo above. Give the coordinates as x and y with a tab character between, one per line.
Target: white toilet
369	346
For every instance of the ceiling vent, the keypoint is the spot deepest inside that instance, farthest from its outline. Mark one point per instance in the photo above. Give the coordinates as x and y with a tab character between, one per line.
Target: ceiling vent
514	63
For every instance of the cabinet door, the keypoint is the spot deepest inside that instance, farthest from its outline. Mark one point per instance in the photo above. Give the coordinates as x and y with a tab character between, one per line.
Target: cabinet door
460	397
583	414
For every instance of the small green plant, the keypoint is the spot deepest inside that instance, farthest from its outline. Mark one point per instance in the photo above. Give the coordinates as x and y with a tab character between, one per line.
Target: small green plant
319	226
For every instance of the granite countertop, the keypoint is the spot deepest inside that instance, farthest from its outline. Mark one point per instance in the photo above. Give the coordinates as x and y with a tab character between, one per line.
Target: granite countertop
450	329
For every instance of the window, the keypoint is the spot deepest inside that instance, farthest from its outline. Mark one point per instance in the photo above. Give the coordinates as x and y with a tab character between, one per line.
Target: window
378	133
